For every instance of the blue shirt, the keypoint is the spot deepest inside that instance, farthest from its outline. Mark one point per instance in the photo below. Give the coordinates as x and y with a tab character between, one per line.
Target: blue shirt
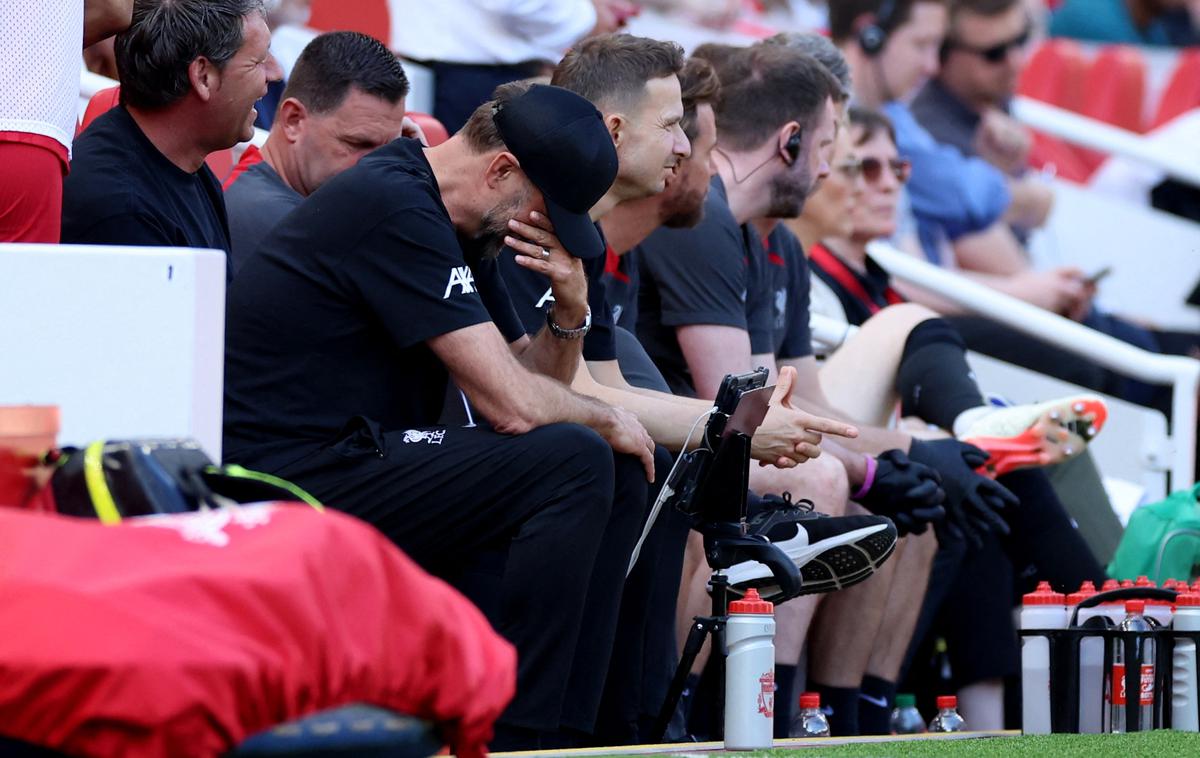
952	195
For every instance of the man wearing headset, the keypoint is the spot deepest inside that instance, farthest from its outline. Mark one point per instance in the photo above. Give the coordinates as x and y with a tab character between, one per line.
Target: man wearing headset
893	47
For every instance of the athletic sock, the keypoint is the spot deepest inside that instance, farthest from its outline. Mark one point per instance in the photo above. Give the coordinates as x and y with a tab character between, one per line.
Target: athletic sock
934	381
840	705
785	699
875	705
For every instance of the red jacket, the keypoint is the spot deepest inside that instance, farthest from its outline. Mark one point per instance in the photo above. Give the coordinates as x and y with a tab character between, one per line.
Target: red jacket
182	635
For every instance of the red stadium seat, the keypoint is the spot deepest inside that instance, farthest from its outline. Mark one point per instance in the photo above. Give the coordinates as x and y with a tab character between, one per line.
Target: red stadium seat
1055	74
100	103
1051	151
1183	90
366	16
221	162
435	133
1115	88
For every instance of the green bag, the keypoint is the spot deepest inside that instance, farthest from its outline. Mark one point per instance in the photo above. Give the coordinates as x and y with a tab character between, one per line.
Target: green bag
1162	540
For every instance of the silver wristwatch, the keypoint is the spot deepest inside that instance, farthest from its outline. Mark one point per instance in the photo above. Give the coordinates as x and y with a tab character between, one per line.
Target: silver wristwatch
569	334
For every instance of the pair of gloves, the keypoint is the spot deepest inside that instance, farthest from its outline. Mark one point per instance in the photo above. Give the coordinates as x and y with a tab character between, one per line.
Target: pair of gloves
936	482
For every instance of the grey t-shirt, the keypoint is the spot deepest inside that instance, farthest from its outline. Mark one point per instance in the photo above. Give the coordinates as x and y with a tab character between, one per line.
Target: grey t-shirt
256	202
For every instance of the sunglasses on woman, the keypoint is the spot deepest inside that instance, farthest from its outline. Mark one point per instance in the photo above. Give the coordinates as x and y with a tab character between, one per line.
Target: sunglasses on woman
996	53
871	169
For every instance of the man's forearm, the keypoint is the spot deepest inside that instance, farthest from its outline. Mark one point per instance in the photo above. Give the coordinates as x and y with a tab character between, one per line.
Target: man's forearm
104	18
553	357
666	417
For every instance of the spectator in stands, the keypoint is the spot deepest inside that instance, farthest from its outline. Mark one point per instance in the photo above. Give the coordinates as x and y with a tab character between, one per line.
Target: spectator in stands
368	276
892	48
190	73
39	102
966	104
1131	22
345	98
472	49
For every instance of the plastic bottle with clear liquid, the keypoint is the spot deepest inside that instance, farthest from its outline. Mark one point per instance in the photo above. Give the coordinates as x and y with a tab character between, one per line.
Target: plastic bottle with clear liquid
947	719
809	720
1134	621
906	719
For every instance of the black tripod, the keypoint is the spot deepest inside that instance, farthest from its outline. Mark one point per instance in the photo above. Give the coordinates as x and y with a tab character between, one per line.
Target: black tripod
712	488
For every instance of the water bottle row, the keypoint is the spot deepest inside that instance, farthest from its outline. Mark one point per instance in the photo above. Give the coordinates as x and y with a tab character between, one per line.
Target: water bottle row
810	721
1111	643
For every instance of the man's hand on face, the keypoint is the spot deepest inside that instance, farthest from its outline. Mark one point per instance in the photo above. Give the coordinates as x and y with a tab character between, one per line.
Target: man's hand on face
789	436
538	249
1002	141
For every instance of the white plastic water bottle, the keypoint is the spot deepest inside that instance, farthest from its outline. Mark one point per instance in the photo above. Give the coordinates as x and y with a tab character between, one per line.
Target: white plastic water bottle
810	722
947	719
750	673
1134	621
1091	662
1041	609
1184	695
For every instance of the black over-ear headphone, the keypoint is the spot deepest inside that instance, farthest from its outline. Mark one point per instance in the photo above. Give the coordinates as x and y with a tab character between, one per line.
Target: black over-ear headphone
793	148
873	36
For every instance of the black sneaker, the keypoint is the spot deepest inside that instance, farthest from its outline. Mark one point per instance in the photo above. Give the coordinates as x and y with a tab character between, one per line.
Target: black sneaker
832	552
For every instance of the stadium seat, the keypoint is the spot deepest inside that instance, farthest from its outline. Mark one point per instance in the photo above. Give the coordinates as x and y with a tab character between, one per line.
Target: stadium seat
366	16
1115	88
435	133
221	162
100	103
1182	93
1052	152
1055	74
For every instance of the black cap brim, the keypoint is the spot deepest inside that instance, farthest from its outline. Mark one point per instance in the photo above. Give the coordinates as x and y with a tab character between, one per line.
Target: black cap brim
575	231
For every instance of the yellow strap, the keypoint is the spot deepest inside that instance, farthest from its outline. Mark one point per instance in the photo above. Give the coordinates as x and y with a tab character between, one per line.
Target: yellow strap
97	486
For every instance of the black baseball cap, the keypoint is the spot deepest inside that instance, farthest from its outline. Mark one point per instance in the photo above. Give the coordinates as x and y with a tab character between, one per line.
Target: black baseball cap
565	149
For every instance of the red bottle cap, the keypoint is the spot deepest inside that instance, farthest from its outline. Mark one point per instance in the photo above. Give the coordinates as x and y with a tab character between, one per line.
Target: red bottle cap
810	700
1126	583
751	603
1086	590
1144	581
1044	595
1188	600
947	701
1110	585
1196	586
1135	606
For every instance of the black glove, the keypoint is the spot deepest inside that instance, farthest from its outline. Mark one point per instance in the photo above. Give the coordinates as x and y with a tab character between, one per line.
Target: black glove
973	502
907	492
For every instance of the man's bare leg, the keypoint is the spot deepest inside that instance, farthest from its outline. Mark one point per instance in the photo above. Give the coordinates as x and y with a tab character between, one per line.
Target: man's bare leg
859	379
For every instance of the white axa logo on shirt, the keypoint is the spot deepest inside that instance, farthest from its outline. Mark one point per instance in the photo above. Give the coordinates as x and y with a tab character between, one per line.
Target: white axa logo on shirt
546	298
430	438
460	276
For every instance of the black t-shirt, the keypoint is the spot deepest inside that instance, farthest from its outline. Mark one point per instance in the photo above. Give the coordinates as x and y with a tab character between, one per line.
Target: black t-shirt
791	285
862	294
329	320
711	274
123	191
621	285
532	297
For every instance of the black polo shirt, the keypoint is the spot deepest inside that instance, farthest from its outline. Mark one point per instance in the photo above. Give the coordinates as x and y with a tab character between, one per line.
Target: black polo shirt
621	286
330	319
711	274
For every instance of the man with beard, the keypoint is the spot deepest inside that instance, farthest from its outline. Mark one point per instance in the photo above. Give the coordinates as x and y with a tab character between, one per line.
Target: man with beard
344	328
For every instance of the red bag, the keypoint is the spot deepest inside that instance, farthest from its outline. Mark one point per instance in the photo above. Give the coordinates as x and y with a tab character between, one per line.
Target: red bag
184	634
